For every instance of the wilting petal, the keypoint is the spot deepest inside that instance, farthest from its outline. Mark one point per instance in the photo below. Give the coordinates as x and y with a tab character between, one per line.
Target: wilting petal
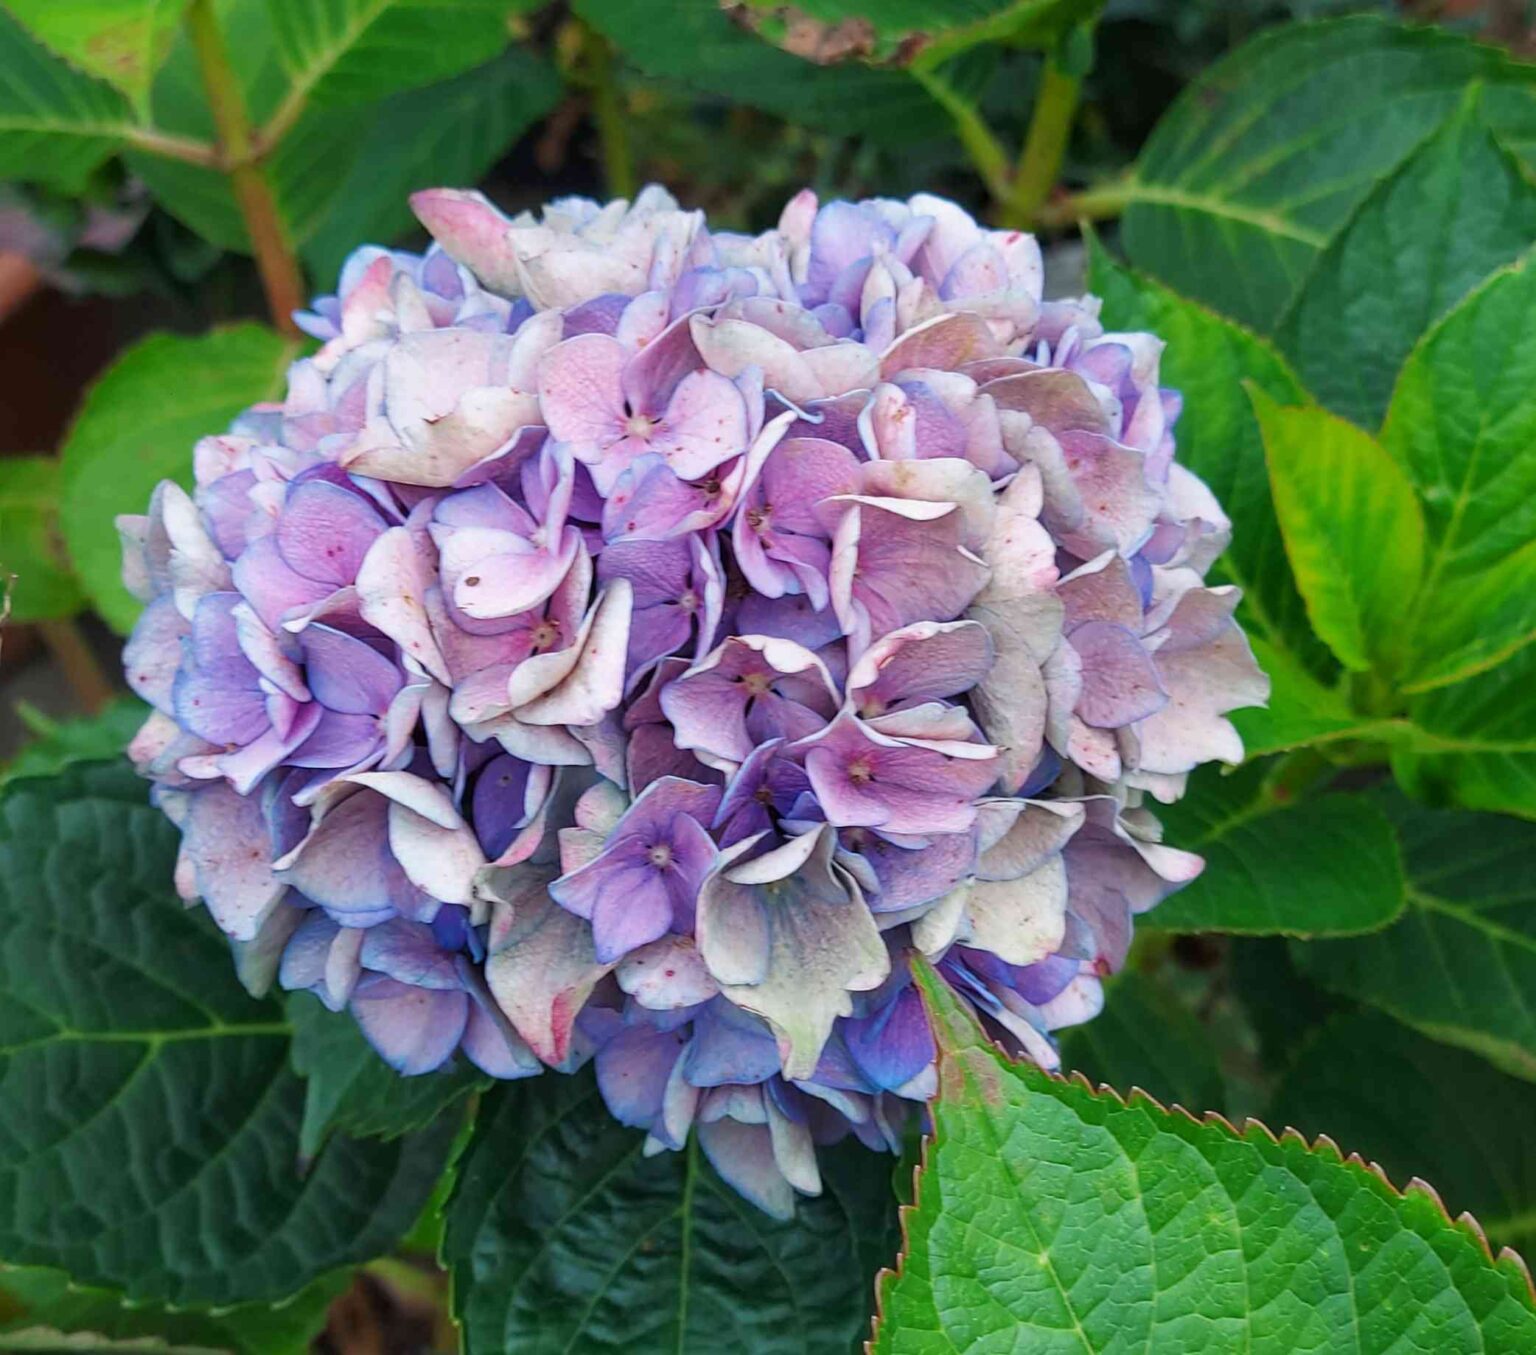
544	969
821	943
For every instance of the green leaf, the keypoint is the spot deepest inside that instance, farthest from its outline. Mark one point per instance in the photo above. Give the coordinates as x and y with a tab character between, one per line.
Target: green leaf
699	47
47	1301
56	124
1461	963
916	32
148	1112
1421	1109
562	1236
30	547
1456	209
1208	358
451	134
355	51
349	1089
120	41
1474	744
137	426
1050	1218
1145	1037
1322	866
1463	425
1354	532
1262	159
86	739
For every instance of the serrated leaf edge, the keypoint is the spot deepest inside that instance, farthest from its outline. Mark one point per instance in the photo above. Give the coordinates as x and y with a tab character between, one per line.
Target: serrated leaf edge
1322	1145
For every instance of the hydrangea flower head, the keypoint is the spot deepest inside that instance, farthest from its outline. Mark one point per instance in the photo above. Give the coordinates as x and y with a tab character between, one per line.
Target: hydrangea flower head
632	643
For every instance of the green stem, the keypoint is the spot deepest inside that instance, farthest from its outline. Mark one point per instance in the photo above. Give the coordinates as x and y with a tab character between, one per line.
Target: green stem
612	130
276	261
1050	126
173	147
1092	204
986	152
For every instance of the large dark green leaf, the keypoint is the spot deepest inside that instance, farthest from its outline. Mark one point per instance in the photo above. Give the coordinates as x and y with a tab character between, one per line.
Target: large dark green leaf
1145	1037
349	1089
1323	866
449	134
1456	209
35	1303
1264	157
698	46
56	124
148	1118
1461	963
137	427
1353	529
1421	1109
1207	359
1050	1218
563	1237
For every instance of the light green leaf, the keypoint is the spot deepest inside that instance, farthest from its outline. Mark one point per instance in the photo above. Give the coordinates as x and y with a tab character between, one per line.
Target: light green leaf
1145	1037
916	32
1421	1109
1207	359
137	427
1052	1219
449	134
562	1236
35	1301
1354	532
120	41
349	1089
698	46
1456	209
1301	709
30	546
56	124
1321	866
86	739
355	51
1463	425
148	1112
1265	156
1461	963
1474	744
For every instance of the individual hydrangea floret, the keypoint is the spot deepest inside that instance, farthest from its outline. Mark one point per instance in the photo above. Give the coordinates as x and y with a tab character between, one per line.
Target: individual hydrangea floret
631	643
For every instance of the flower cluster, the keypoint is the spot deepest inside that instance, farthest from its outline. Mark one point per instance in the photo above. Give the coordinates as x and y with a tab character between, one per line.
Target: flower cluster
633	643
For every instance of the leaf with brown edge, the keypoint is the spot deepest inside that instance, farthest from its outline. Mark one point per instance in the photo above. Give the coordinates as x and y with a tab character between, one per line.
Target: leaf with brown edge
1053	1217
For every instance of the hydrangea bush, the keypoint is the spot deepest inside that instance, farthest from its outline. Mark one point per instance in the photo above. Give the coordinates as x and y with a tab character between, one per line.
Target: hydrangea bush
633	643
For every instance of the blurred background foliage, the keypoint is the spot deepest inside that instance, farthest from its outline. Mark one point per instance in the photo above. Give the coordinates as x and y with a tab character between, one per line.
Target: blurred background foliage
1325	209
